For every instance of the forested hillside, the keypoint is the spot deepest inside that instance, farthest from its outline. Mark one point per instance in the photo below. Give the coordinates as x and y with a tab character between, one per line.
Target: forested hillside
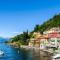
23	38
53	22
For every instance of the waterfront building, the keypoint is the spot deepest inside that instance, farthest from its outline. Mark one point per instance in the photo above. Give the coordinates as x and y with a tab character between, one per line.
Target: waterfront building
39	40
31	42
54	39
34	40
43	41
50	38
54	36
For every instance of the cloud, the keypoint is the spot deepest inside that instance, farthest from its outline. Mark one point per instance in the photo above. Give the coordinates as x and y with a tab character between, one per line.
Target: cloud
17	32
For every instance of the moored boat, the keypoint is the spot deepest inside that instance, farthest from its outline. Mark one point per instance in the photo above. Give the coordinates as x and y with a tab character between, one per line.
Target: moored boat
56	57
1	52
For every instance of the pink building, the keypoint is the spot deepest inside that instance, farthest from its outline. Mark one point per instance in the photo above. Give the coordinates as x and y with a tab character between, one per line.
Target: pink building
54	39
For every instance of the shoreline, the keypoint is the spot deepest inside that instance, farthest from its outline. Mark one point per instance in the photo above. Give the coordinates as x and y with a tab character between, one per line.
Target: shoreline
30	48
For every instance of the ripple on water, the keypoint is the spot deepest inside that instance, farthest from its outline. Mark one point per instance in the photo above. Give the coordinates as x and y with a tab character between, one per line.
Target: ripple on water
11	53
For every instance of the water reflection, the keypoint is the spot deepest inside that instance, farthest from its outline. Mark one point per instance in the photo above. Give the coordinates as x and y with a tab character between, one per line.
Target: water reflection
12	53
35	54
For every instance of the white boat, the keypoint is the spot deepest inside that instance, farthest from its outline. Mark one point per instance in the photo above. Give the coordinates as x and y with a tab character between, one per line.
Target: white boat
1	52
56	57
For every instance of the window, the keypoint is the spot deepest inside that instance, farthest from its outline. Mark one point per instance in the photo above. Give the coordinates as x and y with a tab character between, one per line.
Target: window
52	40
58	40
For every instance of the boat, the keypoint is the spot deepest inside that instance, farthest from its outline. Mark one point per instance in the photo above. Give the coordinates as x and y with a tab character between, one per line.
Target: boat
56	57
1	53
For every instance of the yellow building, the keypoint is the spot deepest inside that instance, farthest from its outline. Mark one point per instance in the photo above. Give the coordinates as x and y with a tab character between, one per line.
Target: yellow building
31	43
39	40
34	40
43	41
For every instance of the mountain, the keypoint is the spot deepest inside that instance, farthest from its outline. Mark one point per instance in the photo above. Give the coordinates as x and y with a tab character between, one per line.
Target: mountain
53	22
3	39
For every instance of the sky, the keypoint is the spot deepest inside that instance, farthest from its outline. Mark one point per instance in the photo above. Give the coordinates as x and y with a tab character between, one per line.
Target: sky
17	16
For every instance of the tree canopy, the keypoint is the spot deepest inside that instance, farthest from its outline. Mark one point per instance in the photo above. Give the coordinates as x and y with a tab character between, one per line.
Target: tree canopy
53	22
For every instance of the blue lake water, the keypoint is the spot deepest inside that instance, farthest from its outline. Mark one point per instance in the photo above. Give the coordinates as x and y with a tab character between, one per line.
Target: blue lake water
11	53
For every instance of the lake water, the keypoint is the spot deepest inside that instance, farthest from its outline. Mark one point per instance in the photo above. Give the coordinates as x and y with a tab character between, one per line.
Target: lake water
11	53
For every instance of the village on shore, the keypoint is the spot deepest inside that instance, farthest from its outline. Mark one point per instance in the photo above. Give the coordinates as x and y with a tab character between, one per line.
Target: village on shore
49	40
45	37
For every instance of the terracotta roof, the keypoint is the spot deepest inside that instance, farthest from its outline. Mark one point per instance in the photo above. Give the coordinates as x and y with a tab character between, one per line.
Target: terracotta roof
54	35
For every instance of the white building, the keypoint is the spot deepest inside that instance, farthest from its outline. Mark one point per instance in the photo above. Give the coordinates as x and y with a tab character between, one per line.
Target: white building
54	36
